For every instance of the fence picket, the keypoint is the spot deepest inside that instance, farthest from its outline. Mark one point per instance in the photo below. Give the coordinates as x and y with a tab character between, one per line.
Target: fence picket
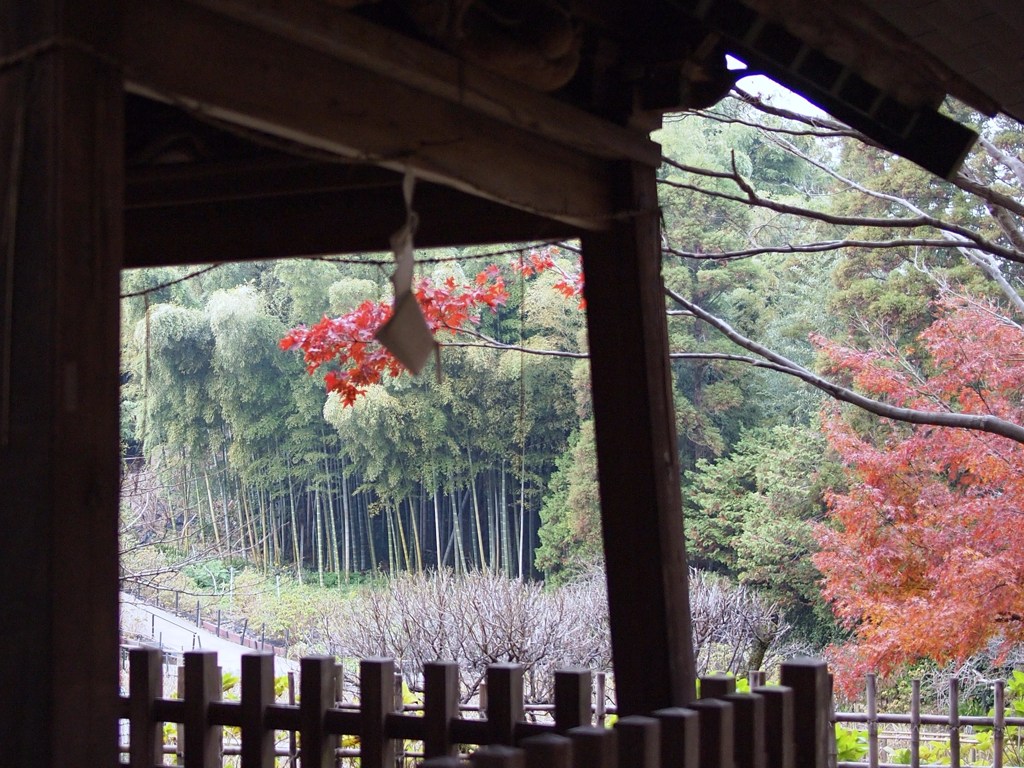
316	696
440	707
915	724
377	699
498	756
999	724
594	747
717	686
548	750
572	699
639	741
748	733
201	741
778	724
954	723
504	706
716	732
257	695
145	685
680	737
811	695
871	692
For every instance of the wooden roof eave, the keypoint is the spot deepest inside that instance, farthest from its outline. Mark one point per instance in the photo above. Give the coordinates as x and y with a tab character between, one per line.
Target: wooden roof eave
322	78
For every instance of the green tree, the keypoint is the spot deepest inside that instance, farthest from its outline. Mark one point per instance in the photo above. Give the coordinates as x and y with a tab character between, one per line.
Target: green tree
752	516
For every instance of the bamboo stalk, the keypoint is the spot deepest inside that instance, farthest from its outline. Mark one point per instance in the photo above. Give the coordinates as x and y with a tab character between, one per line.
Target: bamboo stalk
417	549
437	528
482	562
318	533
346	520
296	549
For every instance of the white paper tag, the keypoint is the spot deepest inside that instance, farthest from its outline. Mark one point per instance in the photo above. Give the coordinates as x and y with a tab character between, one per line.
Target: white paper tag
406	334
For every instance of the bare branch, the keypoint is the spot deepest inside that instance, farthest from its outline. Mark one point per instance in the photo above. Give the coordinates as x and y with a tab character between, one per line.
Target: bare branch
978	422
1015	164
751	197
814	121
986	193
822	247
833	133
491	343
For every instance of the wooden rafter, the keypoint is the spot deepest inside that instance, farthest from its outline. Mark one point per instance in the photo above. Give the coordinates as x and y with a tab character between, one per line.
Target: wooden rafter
301	88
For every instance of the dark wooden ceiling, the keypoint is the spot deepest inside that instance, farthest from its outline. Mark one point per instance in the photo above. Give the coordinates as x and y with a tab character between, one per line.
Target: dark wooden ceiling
301	149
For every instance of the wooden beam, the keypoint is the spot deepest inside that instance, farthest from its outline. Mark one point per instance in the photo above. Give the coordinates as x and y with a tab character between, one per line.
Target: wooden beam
257	80
326	28
61	161
172	184
638	467
305	211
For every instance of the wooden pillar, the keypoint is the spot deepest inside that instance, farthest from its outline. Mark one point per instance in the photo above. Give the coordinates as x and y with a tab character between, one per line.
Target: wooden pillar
638	465
61	174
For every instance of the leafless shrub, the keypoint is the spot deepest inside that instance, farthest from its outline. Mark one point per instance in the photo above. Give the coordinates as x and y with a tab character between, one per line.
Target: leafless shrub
482	618
734	628
476	620
975	675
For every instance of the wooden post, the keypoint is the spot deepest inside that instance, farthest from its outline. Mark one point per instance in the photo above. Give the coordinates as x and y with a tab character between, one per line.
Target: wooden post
548	751
639	741
716	733
954	722
717	686
915	724
871	691
595	746
680	737
638	465
377	699
201	741
748	733
257	695
504	701
809	680
498	756
572	699
998	724
778	723
440	705
145	684
61	198
316	696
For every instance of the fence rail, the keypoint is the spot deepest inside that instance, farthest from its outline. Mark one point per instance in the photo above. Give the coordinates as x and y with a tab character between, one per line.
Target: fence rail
784	726
951	724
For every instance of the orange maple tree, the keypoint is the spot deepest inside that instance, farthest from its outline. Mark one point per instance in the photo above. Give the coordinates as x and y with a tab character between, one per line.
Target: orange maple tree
924	557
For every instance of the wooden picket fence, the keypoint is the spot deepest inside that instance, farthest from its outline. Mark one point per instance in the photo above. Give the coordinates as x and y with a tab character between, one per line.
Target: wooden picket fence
783	726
